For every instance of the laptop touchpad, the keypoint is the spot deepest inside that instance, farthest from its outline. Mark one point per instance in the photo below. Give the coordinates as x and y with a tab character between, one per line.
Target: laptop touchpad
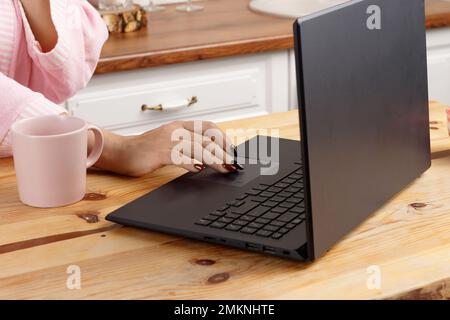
235	179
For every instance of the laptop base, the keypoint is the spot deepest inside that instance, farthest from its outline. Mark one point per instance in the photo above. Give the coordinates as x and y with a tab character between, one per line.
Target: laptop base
178	206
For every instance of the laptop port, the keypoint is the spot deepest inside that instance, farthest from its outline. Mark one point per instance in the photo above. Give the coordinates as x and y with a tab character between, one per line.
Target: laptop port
212	239
252	246
269	250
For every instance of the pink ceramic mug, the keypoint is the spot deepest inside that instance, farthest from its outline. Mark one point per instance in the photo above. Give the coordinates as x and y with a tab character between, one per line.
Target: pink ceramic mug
50	159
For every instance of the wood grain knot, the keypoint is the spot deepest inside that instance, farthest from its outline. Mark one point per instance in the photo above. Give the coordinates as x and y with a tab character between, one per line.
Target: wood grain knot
89	217
418	205
94	196
219	278
204	262
439	290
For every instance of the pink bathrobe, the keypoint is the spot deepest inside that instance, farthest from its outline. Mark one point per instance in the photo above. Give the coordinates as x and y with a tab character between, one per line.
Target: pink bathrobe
37	80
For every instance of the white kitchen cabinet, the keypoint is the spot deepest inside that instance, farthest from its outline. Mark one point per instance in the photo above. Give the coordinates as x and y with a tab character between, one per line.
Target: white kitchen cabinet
438	52
226	89
438	48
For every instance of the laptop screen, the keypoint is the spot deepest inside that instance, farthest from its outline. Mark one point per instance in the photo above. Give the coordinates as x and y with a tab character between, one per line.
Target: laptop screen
362	84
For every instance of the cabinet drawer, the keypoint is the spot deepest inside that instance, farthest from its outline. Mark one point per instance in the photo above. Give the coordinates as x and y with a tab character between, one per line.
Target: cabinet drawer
122	107
225	89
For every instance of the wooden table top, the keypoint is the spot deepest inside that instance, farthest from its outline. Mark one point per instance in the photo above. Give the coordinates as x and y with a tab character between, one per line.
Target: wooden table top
409	239
224	28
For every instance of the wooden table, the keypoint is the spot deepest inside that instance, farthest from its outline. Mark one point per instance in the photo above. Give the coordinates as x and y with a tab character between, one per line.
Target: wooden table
224	28
409	239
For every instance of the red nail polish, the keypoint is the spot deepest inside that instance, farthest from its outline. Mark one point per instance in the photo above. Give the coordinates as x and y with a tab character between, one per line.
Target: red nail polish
199	167
229	167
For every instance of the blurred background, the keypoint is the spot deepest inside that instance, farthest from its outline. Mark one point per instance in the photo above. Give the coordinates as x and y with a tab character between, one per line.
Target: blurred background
222	60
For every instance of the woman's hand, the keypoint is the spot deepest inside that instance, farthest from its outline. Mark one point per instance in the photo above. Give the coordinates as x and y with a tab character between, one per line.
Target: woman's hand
192	145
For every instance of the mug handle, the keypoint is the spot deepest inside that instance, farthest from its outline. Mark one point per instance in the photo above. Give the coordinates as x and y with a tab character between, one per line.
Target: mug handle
97	149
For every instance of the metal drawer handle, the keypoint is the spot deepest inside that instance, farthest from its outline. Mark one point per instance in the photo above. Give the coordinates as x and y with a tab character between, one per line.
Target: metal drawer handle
171	105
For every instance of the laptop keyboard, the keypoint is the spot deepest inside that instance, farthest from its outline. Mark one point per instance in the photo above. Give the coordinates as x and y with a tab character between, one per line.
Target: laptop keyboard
269	211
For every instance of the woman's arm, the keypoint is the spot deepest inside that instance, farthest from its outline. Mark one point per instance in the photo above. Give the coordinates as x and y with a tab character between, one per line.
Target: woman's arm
70	41
39	17
17	101
129	155
64	39
142	154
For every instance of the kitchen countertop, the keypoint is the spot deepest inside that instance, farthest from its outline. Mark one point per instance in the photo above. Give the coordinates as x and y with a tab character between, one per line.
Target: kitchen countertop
224	28
408	239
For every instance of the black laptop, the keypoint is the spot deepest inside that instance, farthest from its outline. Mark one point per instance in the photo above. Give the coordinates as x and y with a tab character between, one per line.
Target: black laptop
362	89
